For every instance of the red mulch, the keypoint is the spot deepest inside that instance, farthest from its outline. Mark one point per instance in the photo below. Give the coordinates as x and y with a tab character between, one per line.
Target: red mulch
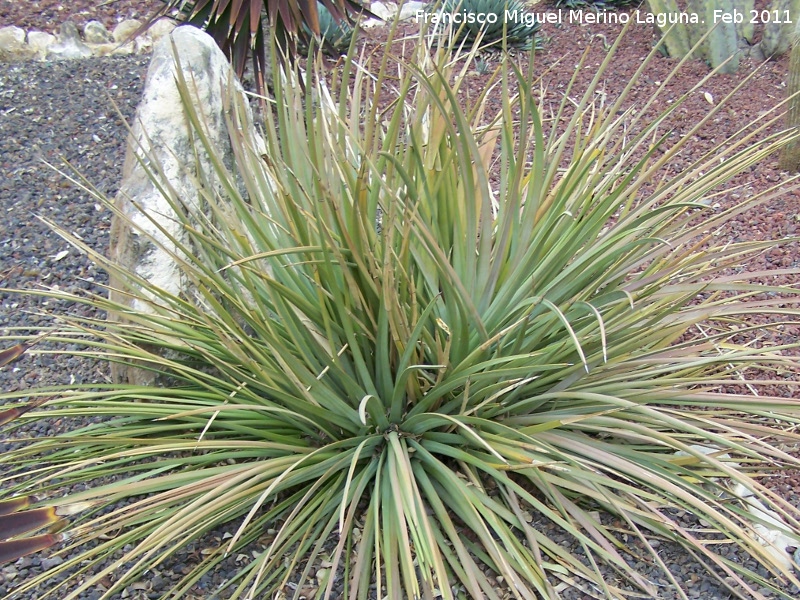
47	15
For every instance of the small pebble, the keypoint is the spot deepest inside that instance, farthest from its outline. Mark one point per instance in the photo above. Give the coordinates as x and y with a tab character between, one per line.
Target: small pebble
50	562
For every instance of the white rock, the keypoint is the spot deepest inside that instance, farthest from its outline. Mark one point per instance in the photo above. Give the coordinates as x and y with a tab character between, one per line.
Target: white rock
69	45
104	49
12	45
409	10
370	23
141	241
39	42
771	531
125	29
707	450
94	32
383	10
164	26
68	50
123	49
143	44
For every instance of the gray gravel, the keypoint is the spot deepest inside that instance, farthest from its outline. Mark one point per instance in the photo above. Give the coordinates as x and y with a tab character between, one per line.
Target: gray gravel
54	112
65	110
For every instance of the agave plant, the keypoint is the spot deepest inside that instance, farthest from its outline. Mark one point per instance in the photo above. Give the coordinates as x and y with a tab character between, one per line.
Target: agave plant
335	36
391	368
492	21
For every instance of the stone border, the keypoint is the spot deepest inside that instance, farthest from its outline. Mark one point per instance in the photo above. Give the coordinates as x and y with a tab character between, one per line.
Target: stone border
17	45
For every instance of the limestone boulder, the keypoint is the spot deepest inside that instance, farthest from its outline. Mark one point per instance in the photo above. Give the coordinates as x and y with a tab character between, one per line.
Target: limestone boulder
161	134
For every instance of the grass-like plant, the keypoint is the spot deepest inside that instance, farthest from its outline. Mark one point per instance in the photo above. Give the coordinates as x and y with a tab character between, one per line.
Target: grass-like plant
422	329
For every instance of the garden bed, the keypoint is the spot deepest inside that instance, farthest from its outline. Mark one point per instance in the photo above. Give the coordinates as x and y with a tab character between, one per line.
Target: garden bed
63	109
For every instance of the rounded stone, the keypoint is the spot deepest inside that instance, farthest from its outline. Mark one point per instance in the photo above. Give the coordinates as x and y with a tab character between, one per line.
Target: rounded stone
39	42
12	44
164	26
125	29
94	32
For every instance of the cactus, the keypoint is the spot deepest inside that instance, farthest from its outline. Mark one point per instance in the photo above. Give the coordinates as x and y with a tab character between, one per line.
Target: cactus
676	42
790	155
777	36
745	29
724	39
722	43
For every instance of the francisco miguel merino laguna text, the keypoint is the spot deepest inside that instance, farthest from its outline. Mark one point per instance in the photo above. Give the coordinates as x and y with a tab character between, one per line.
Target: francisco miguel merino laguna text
555	16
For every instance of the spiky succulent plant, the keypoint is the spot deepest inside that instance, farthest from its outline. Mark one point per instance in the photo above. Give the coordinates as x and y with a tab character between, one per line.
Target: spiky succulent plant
490	19
335	35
